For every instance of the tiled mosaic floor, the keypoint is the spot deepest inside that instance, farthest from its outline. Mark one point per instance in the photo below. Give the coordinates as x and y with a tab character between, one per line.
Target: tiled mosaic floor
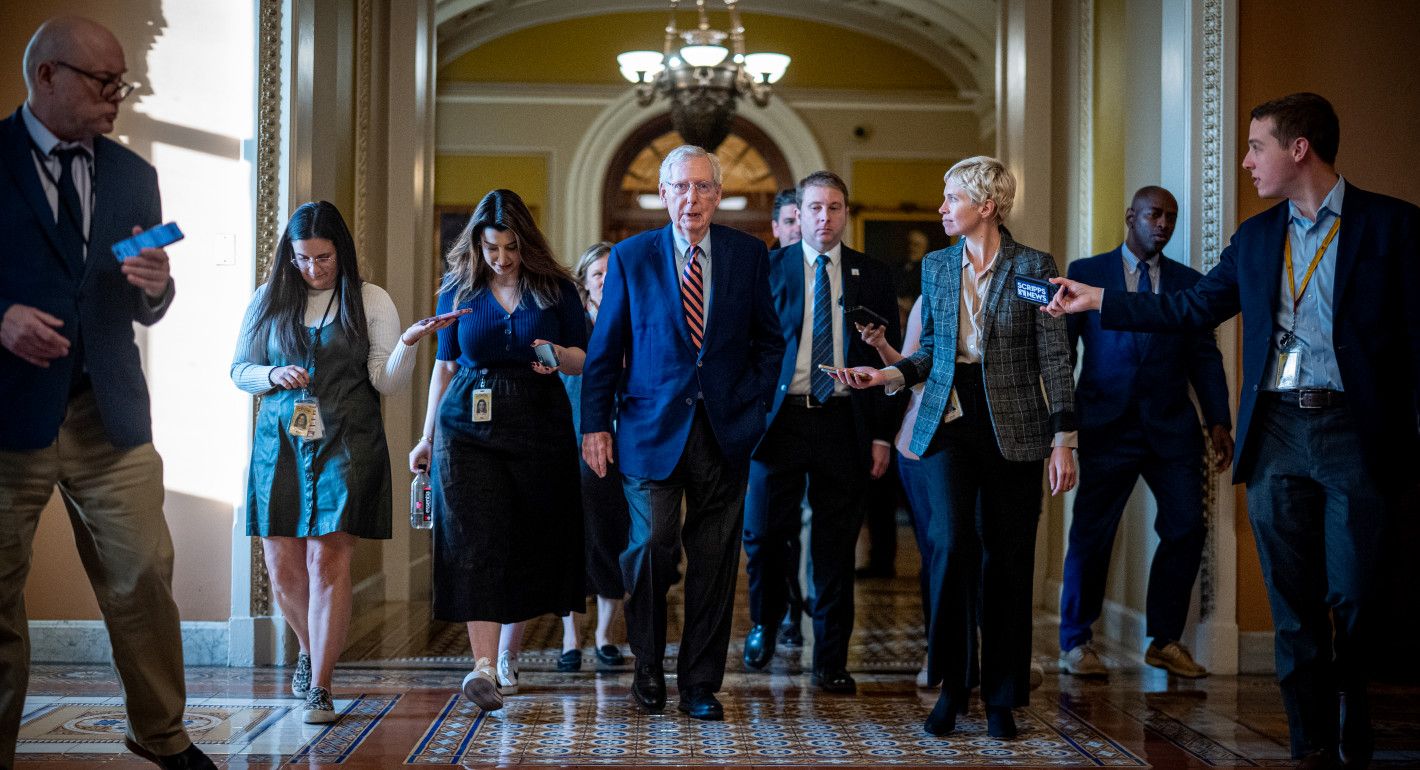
398	696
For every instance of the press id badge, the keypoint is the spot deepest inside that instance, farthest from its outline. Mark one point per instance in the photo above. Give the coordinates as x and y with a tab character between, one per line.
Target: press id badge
305	420
953	407
482	407
1289	364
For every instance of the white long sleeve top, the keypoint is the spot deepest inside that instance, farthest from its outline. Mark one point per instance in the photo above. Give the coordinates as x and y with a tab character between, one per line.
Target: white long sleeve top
390	361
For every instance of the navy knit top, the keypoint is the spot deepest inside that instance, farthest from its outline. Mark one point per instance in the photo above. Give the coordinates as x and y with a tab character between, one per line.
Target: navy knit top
491	337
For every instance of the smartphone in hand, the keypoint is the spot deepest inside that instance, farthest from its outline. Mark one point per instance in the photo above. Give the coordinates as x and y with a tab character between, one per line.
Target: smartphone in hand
864	316
546	355
152	238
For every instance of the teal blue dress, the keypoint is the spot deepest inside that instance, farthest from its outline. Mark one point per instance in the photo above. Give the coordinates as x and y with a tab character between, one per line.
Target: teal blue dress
338	483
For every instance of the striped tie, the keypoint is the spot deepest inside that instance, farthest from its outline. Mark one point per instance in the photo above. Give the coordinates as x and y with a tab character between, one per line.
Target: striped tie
820	384
692	296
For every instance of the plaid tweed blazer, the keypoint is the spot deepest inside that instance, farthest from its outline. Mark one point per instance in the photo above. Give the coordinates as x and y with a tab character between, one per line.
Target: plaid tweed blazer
1030	387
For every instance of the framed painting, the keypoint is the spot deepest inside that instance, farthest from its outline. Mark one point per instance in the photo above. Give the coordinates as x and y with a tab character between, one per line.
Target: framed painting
900	239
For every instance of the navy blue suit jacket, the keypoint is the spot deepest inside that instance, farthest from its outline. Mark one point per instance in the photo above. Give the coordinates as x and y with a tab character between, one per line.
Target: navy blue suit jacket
1376	331
866	282
91	296
1117	373
641	322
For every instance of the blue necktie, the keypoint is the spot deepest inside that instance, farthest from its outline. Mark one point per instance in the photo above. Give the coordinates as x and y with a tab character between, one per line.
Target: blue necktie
820	384
69	224
1146	286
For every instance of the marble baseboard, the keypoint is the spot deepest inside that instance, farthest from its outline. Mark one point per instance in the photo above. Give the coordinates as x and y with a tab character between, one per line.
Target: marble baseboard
1256	654
204	643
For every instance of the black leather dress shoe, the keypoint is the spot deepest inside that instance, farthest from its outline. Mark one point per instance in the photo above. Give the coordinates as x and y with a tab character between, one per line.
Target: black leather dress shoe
571	660
190	758
790	635
699	702
943	719
648	686
759	647
1000	723
610	655
838	682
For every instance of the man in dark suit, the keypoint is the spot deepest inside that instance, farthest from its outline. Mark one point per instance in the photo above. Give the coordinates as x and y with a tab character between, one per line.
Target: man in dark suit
1327	434
819	431
76	406
686	347
1136	419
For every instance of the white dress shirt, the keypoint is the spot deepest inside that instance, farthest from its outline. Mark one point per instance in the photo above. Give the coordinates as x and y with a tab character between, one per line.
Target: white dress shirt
803	365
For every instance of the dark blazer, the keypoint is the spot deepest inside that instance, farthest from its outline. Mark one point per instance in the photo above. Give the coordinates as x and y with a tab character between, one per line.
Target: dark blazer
1117	373
1028	378
90	296
866	282
1376	333
641	322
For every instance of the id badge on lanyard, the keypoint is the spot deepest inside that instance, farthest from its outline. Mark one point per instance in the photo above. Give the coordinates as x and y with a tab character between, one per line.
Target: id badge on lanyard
306	421
1290	347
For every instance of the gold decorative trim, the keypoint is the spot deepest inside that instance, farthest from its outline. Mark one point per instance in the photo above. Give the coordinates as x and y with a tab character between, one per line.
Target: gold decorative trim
268	206
364	32
1212	243
1085	140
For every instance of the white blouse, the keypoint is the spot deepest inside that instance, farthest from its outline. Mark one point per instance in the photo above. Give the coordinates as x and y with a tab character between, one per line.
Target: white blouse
390	361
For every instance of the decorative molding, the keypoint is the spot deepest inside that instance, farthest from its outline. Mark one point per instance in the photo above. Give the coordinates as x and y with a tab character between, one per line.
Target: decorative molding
364	44
204	643
1211	242
577	95
1085	128
269	135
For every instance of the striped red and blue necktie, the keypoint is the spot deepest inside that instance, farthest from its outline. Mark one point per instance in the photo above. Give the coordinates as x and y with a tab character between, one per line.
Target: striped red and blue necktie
692	296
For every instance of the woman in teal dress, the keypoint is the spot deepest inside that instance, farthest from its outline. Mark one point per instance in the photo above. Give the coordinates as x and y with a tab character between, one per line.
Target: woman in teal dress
319	346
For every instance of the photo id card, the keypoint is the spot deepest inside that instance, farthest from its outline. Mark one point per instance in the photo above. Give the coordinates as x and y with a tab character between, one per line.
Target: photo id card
954	411
305	420
482	406
1034	290
1289	367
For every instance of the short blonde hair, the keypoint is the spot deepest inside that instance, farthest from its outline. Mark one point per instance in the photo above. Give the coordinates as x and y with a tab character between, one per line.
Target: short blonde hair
984	178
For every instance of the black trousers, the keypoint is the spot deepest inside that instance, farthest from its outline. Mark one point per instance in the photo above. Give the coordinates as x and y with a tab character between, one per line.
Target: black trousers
816	448
713	490
1319	517
983	512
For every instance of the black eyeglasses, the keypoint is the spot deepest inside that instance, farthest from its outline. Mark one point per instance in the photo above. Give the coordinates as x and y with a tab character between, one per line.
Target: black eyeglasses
109	87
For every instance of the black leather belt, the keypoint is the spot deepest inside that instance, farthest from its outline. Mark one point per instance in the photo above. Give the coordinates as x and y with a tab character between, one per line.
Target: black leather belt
1312	398
807	401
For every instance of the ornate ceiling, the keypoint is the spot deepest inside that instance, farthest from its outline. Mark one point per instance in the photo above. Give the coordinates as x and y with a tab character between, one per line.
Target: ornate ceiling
957	36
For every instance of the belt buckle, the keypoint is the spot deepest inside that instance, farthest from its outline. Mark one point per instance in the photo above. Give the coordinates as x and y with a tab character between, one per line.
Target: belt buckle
1313	399
809	402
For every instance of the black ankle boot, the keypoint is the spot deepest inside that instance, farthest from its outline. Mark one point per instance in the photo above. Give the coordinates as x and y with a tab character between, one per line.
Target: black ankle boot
1000	723
943	719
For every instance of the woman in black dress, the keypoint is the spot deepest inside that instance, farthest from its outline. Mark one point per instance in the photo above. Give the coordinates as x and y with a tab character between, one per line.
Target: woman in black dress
498	428
606	519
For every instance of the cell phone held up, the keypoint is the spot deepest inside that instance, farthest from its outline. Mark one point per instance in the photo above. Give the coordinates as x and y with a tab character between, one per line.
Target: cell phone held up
546	355
152	238
862	315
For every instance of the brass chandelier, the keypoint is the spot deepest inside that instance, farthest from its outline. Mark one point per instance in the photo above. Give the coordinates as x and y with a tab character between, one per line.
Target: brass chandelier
701	77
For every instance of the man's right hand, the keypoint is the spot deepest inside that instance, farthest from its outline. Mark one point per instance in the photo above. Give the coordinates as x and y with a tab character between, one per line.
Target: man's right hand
30	334
1073	297
597	452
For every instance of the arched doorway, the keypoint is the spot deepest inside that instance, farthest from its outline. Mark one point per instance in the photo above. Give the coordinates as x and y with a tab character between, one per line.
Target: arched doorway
754	170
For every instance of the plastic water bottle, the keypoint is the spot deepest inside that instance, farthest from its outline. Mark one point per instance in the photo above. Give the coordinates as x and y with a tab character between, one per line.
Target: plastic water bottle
421	501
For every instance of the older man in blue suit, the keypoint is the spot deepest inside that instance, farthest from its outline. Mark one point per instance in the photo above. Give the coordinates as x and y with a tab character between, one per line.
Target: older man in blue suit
76	405
1327	424
1136	419
686	348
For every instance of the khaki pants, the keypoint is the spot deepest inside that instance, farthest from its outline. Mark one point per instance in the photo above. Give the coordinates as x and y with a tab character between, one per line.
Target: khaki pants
115	502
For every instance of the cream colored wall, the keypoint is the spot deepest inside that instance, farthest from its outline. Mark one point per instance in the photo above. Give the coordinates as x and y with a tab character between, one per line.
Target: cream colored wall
191	124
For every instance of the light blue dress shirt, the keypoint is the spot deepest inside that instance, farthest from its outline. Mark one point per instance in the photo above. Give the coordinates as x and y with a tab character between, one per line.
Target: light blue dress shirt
1314	314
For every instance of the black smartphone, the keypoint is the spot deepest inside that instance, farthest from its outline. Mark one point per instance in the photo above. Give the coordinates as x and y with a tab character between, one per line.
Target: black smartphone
1034	290
546	355
862	316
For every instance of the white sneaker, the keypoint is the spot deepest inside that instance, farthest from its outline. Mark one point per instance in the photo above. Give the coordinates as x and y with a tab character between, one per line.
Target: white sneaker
923	683
480	687
1083	661
507	673
319	708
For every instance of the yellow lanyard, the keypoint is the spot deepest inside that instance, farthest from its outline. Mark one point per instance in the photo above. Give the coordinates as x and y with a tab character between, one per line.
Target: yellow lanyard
1306	279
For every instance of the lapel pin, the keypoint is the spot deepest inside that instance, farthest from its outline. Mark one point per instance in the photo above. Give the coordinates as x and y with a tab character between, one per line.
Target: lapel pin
855	271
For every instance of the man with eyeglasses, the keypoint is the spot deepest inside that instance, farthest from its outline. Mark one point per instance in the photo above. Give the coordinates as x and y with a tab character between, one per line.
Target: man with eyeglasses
686	348
77	412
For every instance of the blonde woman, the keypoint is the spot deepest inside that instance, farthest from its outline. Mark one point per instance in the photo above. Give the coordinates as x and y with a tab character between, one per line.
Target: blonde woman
984	430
